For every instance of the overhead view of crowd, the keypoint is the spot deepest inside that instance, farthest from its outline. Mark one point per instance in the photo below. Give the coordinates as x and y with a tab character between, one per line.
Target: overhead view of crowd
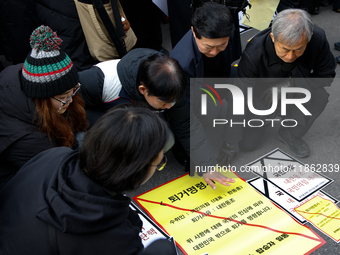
88	109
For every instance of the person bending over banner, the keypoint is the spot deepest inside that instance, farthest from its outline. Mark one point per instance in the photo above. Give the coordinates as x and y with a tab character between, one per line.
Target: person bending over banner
292	48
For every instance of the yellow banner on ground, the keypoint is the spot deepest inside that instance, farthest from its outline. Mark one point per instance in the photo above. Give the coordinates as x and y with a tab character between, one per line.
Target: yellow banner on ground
260	14
228	220
323	214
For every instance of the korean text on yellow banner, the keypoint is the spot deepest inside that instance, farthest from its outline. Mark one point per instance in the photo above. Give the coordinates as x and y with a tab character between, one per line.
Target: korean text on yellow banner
232	220
323	214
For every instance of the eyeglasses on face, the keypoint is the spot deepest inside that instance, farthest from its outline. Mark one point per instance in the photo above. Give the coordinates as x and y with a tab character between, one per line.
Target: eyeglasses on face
162	164
75	90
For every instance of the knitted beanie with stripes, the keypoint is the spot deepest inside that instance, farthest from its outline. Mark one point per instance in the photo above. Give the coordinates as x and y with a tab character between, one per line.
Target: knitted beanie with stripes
47	71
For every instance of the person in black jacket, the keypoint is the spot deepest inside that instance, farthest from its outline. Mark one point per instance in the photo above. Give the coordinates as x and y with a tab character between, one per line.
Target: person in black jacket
62	17
205	51
39	104
150	77
19	18
71	202
292	48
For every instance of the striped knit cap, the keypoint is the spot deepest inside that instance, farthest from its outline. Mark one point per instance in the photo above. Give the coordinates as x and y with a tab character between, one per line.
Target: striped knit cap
47	70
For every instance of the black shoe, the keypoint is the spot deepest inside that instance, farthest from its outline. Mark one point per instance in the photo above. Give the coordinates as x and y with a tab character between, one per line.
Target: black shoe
180	155
224	160
337	45
324	3
227	153
296	145
316	10
338	59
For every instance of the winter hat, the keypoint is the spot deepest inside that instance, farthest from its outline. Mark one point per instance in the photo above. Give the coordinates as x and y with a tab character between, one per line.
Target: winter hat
47	70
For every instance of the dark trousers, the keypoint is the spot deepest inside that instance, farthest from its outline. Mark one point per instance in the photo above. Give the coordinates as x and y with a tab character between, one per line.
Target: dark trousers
287	4
179	19
336	4
145	20
307	5
252	136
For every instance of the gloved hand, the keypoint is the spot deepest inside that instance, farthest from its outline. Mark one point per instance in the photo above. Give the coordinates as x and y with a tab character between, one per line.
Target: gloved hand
227	152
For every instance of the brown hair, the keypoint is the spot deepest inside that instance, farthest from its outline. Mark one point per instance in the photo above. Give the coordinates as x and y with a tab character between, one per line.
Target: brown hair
60	128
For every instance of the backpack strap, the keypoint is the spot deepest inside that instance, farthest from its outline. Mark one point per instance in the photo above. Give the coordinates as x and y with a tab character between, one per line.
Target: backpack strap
115	35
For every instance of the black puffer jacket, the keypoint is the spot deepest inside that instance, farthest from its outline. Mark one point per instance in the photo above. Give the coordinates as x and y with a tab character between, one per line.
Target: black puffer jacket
61	16
19	18
20	138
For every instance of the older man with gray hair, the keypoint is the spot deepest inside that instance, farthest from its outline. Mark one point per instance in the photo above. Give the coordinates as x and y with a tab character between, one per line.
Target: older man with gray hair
292	48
